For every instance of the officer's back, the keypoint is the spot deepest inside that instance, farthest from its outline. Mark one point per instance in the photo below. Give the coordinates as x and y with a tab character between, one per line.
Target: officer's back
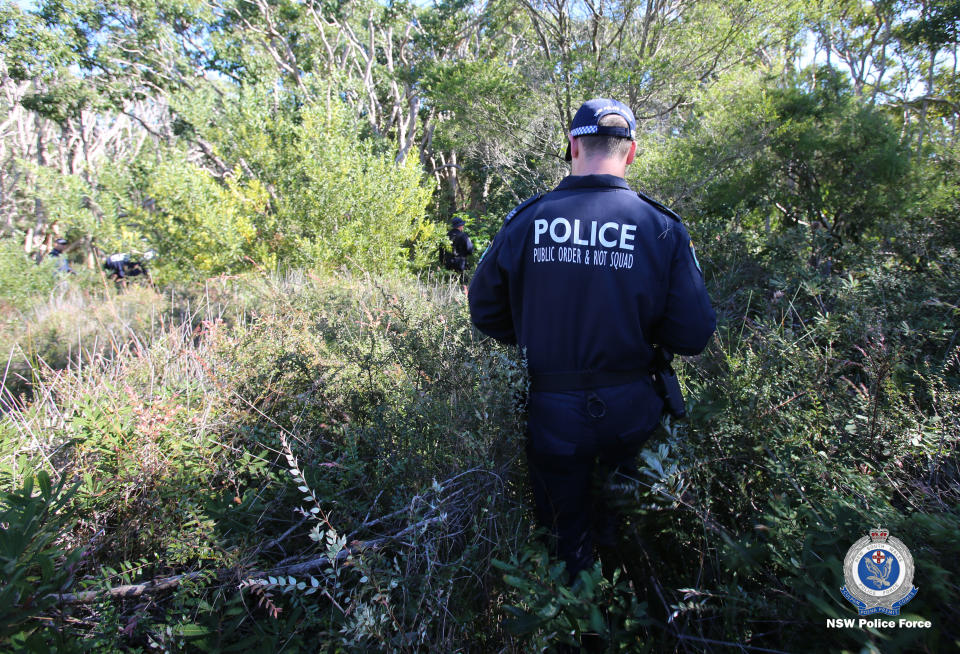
592	258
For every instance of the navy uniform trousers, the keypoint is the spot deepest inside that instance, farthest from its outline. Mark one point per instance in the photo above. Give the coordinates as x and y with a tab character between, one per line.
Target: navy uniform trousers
569	435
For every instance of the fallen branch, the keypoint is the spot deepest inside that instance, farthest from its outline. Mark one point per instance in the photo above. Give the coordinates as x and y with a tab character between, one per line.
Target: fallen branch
133	590
436	498
359	546
166	583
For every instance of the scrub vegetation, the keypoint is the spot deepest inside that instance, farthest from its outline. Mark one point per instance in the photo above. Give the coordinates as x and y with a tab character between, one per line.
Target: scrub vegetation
291	439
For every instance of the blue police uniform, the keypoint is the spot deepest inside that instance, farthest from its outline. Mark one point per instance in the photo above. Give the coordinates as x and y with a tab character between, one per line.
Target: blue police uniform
586	279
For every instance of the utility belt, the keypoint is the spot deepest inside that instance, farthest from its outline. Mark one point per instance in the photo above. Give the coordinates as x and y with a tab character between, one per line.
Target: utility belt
578	381
661	373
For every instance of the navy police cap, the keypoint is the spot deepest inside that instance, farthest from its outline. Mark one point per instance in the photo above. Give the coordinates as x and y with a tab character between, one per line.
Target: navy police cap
587	119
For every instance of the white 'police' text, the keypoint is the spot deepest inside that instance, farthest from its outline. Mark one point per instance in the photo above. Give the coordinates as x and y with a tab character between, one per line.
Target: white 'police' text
589	232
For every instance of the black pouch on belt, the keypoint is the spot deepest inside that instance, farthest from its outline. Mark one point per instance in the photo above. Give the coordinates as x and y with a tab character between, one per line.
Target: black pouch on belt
666	384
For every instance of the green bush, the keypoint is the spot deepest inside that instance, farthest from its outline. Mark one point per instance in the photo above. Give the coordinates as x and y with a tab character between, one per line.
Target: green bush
322	457
33	568
199	226
401	424
304	190
787	155
335	199
21	278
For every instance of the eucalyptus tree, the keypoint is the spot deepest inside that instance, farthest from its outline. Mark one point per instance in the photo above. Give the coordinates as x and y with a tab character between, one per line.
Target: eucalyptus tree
858	37
86	82
898	53
365	47
509	101
931	33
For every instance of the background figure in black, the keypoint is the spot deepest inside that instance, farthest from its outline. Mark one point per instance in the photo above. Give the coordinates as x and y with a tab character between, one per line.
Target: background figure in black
56	252
120	267
462	247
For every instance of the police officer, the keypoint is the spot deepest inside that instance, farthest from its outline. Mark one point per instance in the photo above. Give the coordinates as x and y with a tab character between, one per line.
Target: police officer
56	252
121	266
587	279
461	244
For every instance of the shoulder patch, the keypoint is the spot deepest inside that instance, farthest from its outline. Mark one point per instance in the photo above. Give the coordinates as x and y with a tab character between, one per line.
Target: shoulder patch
520	207
659	207
693	251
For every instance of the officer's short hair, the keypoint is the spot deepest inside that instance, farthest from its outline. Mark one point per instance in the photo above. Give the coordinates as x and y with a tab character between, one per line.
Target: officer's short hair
601	145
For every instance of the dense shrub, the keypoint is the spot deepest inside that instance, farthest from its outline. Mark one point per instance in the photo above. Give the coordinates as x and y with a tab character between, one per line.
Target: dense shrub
199	226
335	199
403	426
21	279
283	183
32	566
788	155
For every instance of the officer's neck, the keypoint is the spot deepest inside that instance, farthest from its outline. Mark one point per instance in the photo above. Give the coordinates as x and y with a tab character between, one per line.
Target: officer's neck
598	166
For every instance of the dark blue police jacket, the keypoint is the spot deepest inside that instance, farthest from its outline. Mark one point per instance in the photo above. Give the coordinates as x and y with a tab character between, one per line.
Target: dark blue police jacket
586	278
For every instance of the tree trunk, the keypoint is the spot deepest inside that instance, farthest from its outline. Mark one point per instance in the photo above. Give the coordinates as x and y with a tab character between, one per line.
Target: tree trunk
41	161
926	98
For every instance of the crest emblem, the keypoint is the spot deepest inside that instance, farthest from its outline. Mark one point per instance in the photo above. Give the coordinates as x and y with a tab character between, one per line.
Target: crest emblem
878	572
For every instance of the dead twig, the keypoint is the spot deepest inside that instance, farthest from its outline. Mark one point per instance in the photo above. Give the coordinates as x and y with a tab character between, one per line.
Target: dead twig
782	404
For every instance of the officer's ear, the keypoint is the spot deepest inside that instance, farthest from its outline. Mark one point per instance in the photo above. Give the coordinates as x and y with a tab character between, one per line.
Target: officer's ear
574	147
632	153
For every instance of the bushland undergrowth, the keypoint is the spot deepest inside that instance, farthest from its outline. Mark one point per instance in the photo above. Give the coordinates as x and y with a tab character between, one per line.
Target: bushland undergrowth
320	463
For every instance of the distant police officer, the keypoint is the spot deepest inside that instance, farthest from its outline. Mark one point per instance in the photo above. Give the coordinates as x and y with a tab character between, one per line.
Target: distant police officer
587	278
121	267
56	252
461	244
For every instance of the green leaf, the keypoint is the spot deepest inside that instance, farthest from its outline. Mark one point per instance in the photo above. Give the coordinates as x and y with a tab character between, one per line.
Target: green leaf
515	581
192	630
597	623
502	565
43	481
